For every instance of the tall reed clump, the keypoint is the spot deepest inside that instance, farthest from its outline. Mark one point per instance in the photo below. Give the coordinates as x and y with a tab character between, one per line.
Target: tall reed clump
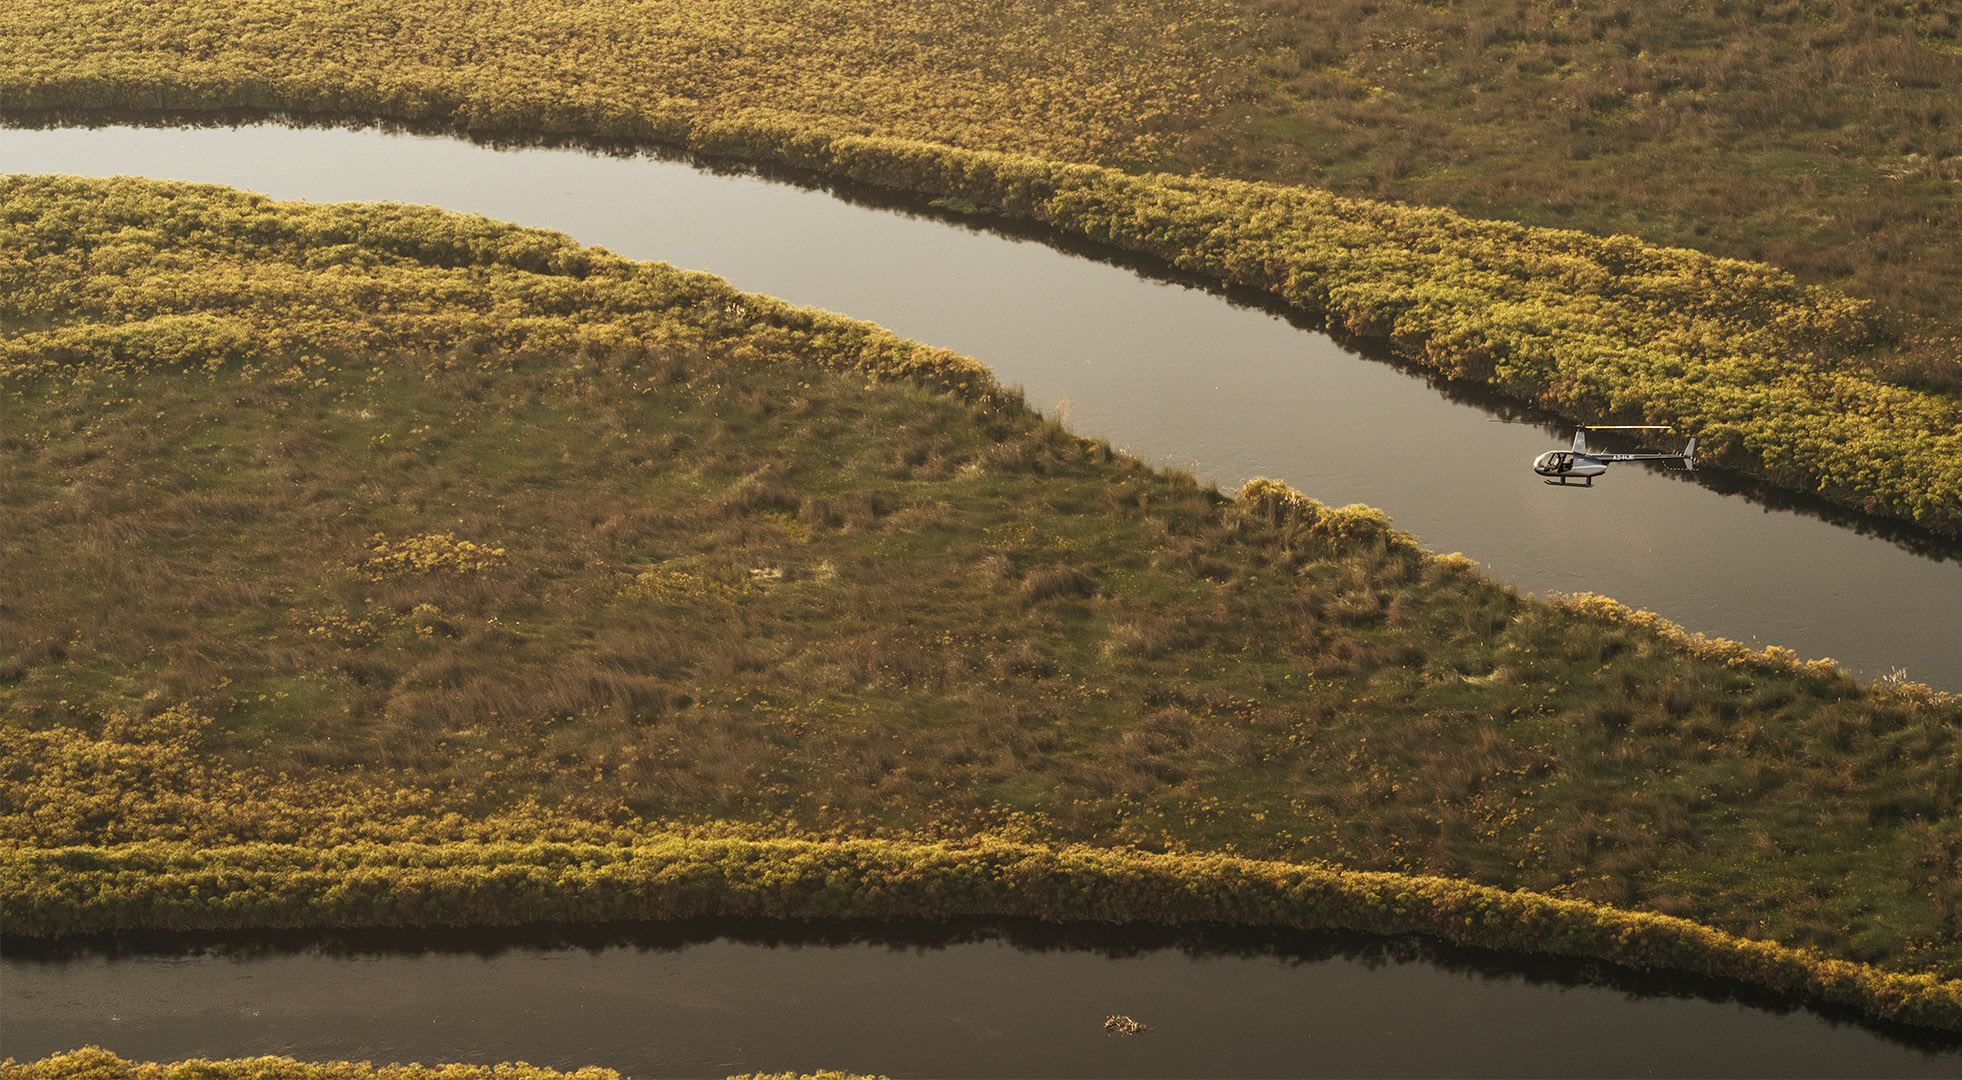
164	886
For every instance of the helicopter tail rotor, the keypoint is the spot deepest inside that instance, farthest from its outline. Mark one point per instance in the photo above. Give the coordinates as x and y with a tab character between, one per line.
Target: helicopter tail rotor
1689	455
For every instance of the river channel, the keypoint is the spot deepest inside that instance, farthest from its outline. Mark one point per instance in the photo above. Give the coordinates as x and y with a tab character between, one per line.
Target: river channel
975	999
1176	374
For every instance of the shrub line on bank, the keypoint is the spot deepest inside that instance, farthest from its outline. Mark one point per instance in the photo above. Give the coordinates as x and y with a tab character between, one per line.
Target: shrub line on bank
163	886
96	1063
1740	355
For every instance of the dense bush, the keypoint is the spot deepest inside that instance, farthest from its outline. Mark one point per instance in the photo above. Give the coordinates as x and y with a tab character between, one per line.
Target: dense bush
82	890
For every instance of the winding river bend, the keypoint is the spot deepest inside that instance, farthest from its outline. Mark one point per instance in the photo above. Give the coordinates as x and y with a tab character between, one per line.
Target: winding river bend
1173	373
973	999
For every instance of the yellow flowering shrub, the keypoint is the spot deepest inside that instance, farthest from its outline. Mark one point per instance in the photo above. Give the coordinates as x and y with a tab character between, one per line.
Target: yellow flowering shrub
428	553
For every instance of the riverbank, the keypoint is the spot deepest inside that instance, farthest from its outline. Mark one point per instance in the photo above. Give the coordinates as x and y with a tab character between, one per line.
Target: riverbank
178	887
95	1063
379	525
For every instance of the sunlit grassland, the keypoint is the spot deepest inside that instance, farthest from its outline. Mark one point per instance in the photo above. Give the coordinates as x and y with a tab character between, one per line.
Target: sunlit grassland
334	525
1820	137
1078	80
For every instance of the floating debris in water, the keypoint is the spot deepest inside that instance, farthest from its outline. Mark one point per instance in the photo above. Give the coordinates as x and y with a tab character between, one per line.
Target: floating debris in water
1122	1025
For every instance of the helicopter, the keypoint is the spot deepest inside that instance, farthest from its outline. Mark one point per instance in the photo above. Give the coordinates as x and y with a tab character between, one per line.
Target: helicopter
1558	466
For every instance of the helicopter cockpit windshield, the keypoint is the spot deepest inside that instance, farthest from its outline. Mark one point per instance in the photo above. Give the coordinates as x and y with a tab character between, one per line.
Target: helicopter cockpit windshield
1559	467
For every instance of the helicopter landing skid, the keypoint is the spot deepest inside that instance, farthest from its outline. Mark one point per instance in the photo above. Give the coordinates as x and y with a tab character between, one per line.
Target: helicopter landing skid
1586	481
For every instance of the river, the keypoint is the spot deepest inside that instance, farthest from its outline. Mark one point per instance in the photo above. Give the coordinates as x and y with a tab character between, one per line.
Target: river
1176	374
970	999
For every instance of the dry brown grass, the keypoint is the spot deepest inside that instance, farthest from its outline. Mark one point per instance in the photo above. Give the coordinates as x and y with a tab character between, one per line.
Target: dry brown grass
1818	137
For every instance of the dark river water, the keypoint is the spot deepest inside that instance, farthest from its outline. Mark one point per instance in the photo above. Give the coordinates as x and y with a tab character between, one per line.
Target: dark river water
1175	374
1179	376
983	999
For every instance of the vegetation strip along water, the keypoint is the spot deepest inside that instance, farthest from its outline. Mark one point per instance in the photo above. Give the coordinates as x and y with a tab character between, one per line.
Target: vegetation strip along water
95	1063
179	887
356	525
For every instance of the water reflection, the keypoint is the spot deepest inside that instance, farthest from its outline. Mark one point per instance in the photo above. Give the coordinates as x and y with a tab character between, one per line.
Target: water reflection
979	997
1108	941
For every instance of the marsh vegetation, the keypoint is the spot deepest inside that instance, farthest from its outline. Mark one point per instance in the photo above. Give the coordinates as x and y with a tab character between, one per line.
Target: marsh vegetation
1819	137
337	529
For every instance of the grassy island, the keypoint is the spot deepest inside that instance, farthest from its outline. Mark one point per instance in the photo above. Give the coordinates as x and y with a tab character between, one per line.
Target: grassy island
375	565
1813	135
